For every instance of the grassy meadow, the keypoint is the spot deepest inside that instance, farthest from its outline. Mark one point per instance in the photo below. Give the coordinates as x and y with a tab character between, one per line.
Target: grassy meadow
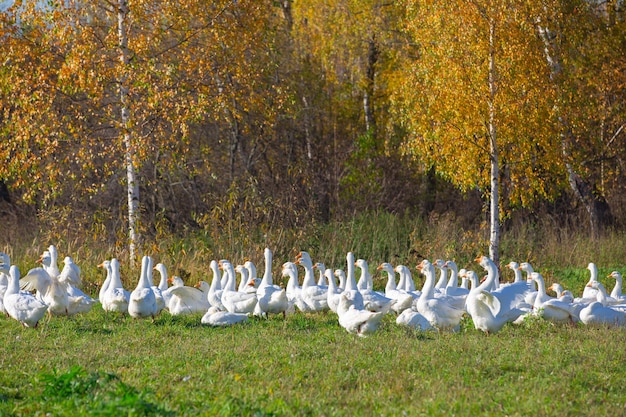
306	364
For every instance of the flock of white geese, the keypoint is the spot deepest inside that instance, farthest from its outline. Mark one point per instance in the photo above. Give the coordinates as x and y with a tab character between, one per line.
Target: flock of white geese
440	305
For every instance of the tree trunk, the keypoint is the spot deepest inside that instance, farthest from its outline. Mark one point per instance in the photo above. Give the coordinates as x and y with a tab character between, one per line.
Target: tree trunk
494	239
368	106
131	177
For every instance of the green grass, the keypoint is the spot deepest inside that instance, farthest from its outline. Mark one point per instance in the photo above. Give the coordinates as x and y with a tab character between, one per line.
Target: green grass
96	364
307	365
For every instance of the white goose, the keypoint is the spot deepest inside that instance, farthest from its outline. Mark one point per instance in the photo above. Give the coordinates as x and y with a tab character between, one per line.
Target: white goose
351	290
236	301
219	318
71	277
22	306
313	295
142	302
491	310
372	300
49	289
413	319
552	309
590	292
597	314
333	292
115	298
406	282
443	274
403	299
161	292
617	289
293	290
187	300
452	287
272	299
514	266
439	313
215	290
322	280
359	322
527	267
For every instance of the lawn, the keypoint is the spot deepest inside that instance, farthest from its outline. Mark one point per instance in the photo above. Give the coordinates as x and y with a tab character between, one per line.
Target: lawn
99	364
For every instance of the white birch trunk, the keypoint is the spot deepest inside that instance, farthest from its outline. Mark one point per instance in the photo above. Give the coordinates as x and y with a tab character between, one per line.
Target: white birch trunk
129	155
494	239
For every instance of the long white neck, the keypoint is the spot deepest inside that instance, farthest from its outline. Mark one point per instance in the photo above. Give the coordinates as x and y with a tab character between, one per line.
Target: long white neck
216	283
309	275
350	278
13	286
143	278
229	270
602	295
410	284
454	280
443	278
267	276
428	289
163	272
391	278
617	289
292	283
105	285
332	285
116	280
491	276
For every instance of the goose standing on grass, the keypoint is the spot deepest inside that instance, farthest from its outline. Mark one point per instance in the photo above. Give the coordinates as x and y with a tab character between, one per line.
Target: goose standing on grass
219	318
340	274
236	301
215	290
293	290
359	322
115	298
22	306
271	299
439	313
312	294
333	292
403	299
71	277
406	282
351	289
372	300
142	302
452	287
49	290
552	309
491	310
617	289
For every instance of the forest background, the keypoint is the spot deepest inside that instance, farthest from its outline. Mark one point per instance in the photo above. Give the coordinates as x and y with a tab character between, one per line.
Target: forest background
126	122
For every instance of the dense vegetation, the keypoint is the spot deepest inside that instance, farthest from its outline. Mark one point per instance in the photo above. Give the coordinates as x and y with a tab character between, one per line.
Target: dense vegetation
285	113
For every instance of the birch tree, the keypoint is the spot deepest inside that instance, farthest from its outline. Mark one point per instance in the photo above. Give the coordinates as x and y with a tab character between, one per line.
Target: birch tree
472	97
